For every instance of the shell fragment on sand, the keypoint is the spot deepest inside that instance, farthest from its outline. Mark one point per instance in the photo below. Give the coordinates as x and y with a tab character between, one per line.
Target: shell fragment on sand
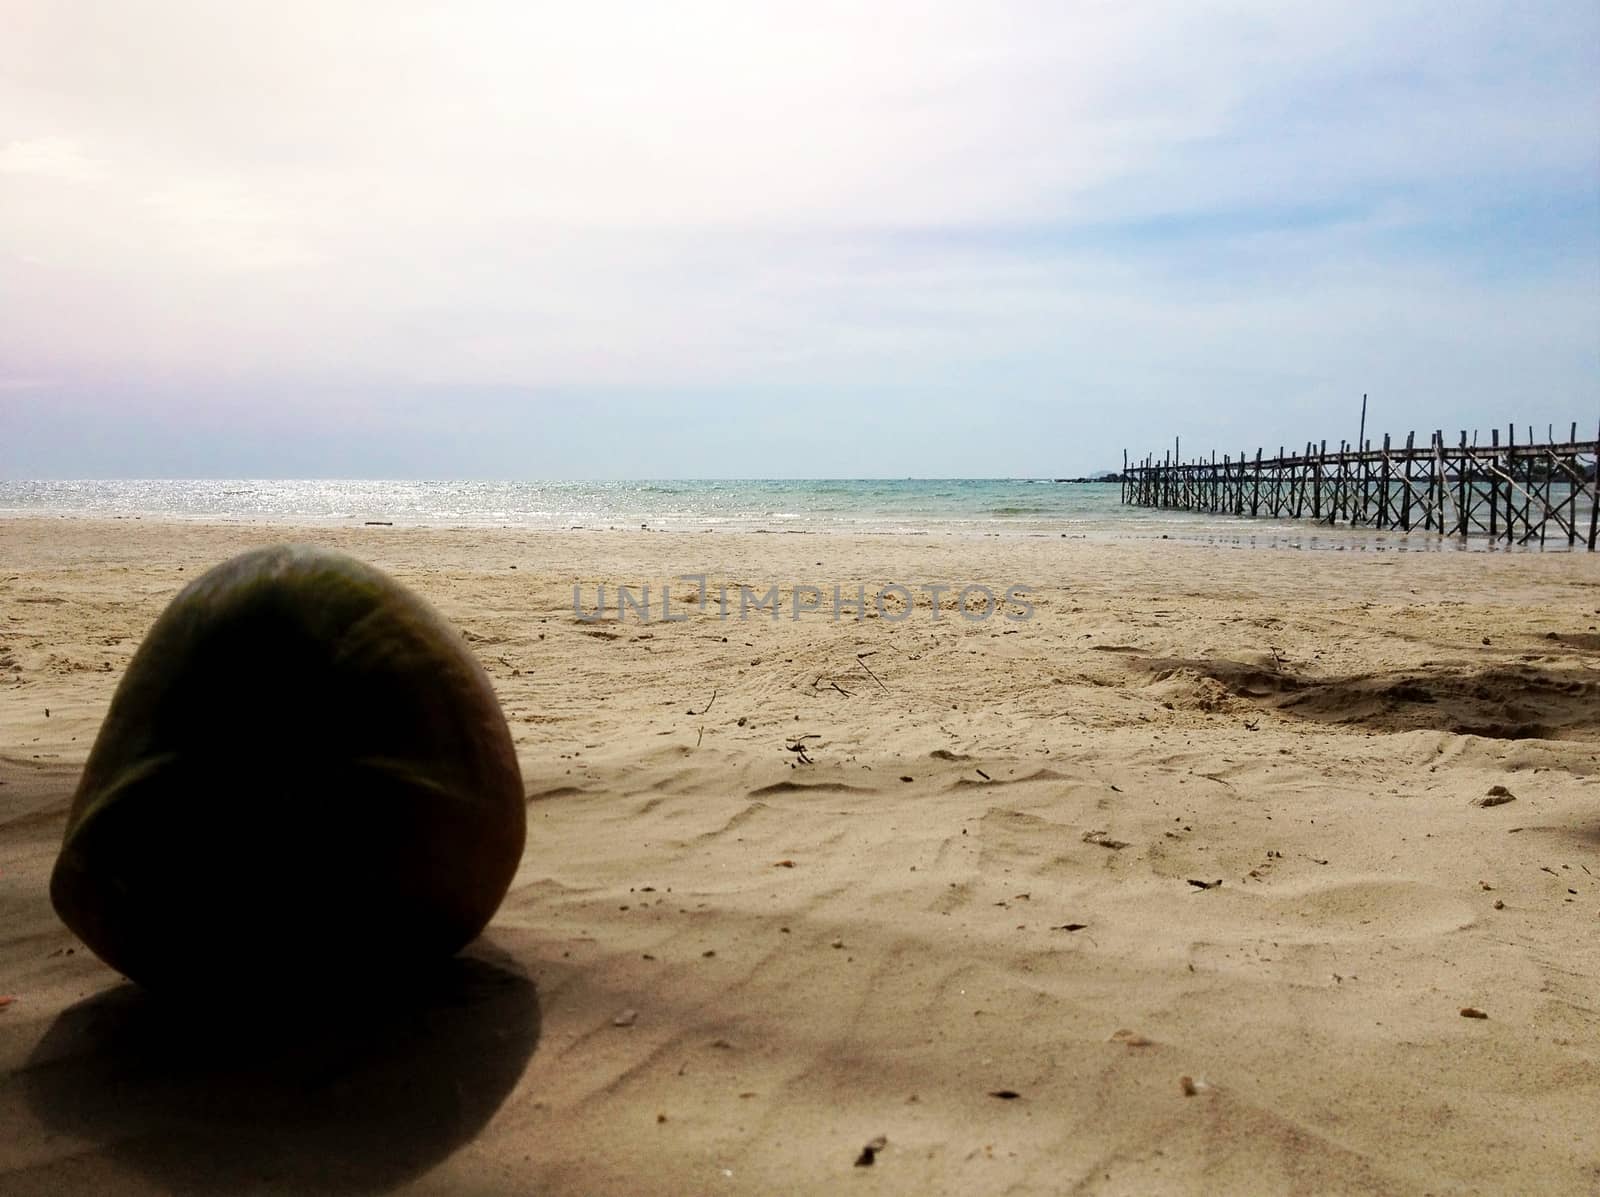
1497	796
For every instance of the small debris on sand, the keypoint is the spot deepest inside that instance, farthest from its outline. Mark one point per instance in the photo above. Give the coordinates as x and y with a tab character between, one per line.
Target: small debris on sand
1131	1038
1472	1012
1186	1083
626	1019
1005	1094
1104	840
1497	796
869	1153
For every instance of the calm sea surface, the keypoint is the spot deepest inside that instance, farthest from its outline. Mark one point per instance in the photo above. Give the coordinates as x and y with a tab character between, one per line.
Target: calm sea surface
970	506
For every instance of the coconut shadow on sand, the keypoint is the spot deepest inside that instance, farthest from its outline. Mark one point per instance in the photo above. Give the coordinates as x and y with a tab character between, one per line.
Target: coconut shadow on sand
295	1095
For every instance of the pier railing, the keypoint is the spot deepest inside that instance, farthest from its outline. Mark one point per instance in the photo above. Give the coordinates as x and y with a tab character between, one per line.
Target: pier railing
1519	494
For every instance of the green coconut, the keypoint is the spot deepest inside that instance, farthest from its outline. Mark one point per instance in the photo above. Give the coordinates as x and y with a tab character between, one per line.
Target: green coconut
304	774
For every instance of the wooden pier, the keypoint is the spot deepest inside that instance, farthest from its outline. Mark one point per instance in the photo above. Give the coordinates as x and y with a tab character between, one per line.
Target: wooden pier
1516	493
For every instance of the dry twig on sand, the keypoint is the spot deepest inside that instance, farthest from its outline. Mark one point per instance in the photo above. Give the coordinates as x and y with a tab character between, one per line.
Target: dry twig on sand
861	661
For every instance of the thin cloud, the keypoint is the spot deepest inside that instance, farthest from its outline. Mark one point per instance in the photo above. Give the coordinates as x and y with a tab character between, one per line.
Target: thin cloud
49	158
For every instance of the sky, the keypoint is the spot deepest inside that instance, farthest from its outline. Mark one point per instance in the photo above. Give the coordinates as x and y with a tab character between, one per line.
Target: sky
612	240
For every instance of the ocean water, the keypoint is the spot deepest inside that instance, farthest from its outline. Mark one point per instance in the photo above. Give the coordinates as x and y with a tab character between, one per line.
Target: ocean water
965	506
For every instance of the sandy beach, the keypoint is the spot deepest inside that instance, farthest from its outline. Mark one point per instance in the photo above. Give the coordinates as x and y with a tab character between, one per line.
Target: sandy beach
1181	884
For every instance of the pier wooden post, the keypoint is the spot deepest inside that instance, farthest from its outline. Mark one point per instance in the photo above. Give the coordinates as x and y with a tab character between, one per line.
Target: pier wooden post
1383	493
1436	480
1511	476
1594	504
1316	483
1306	466
1494	487
1573	489
1363	479
1544	498
1341	491
1405	497
1428	493
1300	482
